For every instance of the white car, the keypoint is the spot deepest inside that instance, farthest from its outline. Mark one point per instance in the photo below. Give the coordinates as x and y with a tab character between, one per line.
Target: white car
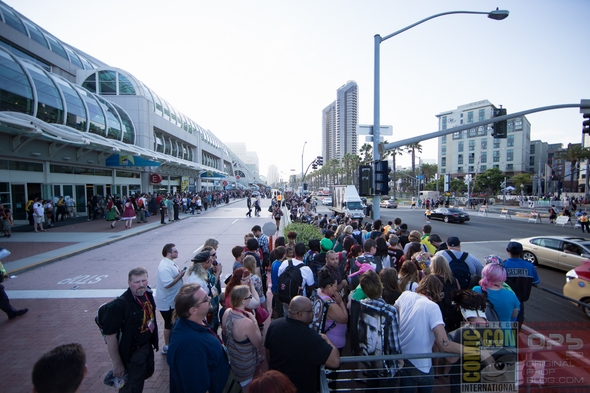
327	201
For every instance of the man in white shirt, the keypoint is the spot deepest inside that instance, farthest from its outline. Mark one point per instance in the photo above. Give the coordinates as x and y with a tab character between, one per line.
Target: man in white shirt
306	273
38	215
168	284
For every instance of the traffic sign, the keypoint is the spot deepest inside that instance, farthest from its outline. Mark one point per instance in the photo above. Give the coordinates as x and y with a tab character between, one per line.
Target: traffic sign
224	183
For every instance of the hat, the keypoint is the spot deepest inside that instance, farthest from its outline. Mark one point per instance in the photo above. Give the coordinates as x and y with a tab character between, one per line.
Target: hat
493	259
453	241
434	238
514	247
326	244
201	257
363	267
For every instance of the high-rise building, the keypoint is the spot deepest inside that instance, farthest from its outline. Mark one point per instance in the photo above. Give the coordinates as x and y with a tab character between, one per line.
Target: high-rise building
475	150
273	177
339	123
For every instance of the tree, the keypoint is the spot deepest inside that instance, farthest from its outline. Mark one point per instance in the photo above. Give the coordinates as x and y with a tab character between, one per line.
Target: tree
366	153
412	148
573	154
489	181
521	179
429	170
394	153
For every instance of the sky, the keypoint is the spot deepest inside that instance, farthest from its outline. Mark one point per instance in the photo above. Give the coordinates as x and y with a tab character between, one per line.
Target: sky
262	71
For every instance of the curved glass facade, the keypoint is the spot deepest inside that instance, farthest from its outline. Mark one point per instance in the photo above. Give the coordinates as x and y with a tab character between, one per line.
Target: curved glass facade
50	107
16	91
75	109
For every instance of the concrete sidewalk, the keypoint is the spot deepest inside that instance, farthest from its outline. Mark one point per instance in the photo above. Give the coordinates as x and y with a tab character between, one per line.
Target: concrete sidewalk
30	250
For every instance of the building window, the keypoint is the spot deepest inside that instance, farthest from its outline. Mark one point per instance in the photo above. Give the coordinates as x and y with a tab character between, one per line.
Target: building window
460	169
470	169
496	156
471	158
444	123
484	157
509	167
483	168
510	141
472	145
496	144
443	139
496	166
443	150
460	159
481	115
470	117
510	155
484	144
532	150
443	161
460	147
443	170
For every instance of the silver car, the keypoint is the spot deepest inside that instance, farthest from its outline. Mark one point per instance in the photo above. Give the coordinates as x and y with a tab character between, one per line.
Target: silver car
561	252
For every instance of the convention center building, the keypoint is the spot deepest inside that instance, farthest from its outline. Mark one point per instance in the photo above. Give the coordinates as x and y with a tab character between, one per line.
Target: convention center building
73	126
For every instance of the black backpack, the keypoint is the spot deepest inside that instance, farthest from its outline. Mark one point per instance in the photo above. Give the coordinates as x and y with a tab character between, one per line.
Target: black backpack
451	314
290	282
102	315
320	314
460	269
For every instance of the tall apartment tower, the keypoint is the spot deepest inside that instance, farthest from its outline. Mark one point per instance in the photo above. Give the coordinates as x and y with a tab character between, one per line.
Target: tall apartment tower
339	122
475	150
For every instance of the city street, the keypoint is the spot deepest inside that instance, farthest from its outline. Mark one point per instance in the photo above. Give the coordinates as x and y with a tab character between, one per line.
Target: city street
63	296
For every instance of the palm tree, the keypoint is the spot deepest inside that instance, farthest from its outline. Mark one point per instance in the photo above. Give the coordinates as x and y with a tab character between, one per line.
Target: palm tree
573	154
412	148
366	154
394	153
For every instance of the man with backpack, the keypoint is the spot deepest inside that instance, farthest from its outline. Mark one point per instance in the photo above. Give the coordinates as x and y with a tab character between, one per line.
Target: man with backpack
463	265
294	277
131	331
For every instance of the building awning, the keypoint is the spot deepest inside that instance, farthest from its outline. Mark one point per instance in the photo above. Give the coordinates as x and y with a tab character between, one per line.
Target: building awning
125	160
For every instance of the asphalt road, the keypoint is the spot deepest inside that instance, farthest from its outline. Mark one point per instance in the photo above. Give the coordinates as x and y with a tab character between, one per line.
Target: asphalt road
482	236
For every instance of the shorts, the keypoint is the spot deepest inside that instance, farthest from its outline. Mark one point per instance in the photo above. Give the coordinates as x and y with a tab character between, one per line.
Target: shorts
39	219
167	316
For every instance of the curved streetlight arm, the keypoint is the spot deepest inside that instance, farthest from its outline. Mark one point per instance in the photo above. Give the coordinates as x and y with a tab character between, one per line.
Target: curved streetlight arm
496	15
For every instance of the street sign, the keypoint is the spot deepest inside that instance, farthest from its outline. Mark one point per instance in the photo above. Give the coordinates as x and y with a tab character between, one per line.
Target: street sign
367	129
225	183
238	177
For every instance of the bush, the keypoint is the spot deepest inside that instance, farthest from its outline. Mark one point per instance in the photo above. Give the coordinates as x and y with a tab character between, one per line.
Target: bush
305	232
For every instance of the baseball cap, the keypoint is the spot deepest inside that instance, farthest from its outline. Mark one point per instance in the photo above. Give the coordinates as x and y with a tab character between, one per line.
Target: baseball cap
201	257
514	247
453	241
493	259
326	244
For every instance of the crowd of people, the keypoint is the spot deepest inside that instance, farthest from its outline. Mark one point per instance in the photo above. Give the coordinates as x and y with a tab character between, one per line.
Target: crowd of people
288	308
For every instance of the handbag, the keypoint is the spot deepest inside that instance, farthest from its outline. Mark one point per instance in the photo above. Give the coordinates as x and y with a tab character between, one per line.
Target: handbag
261	315
270	209
147	214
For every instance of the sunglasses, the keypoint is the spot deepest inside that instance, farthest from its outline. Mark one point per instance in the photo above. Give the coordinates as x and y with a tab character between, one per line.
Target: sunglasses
248	297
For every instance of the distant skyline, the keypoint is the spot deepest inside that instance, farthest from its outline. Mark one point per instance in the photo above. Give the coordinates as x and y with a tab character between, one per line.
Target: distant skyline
262	72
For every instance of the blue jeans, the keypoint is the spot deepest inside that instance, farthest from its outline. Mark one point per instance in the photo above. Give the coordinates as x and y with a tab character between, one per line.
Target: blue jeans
410	376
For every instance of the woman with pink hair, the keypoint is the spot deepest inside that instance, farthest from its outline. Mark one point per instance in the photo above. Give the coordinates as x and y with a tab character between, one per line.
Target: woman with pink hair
503	300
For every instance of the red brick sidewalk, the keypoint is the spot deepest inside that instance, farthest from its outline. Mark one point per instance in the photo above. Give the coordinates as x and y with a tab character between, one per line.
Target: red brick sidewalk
57	322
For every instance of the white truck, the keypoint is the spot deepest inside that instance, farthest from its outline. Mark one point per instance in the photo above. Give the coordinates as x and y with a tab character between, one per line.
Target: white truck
347	200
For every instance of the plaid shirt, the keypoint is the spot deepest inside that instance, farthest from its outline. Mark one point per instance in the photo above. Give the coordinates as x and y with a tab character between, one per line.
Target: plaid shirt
263	243
389	331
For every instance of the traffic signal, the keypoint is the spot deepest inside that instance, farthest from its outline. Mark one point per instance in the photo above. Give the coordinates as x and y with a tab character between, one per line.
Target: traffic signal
381	177
500	127
320	160
365	180
314	166
305	186
586	124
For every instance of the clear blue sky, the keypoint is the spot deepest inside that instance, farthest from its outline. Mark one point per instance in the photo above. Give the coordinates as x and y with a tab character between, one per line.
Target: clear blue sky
261	71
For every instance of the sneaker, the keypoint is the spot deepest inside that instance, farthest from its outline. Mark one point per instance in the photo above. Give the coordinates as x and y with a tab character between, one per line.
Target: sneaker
165	350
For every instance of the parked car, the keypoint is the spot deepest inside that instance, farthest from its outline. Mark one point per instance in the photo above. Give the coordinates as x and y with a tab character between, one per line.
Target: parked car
449	214
578	285
561	252
327	201
388	204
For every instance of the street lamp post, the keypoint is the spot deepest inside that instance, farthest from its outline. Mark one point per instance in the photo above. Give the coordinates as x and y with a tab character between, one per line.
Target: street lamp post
496	15
302	174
